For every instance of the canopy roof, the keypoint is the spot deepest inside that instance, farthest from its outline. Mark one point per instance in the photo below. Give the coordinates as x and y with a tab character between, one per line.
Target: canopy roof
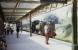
18	8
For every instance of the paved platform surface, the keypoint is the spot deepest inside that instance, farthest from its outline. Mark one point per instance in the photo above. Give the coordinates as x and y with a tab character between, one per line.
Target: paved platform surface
36	42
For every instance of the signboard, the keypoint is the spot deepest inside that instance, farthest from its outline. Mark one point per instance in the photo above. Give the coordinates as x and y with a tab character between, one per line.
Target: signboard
10	19
53	1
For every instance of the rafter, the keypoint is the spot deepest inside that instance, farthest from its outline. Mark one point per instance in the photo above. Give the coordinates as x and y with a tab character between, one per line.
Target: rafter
15	12
13	15
18	8
21	1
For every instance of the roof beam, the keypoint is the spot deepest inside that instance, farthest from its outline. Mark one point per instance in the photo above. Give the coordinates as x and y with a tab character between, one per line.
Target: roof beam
15	6
15	12
20	1
6	0
33	10
13	15
18	8
30	1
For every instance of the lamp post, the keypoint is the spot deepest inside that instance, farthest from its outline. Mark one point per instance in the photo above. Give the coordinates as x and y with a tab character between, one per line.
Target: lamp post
30	25
74	21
